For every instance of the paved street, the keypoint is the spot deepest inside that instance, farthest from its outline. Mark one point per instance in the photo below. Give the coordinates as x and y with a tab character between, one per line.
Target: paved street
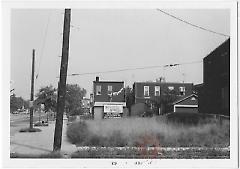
36	142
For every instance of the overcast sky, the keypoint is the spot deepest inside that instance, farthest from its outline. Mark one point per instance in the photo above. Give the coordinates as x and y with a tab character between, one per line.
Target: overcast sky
102	40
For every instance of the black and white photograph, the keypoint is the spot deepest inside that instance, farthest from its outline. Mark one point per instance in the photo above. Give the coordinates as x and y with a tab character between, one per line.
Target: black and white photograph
128	85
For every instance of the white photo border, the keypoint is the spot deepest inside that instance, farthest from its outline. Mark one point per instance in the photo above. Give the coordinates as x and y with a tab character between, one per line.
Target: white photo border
163	163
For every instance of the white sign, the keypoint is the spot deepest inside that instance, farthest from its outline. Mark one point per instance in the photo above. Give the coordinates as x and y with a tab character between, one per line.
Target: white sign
113	108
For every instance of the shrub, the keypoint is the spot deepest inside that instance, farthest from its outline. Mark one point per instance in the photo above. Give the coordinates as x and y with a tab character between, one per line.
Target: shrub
148	132
184	118
95	140
30	130
117	139
77	132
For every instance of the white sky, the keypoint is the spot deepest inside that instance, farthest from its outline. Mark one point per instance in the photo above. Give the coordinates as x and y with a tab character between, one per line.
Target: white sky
102	40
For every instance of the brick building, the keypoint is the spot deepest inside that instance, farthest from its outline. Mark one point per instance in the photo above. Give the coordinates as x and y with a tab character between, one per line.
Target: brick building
214	92
144	91
108	99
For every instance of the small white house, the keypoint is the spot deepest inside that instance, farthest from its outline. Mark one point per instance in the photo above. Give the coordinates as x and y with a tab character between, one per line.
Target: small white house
187	104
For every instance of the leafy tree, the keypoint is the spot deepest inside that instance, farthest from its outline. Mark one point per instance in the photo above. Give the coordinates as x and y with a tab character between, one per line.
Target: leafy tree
47	96
74	96
17	103
162	101
129	95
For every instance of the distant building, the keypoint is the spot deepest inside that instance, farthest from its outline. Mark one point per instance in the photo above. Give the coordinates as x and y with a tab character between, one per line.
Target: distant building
108	99
214	92
145	91
187	104
86	106
85	102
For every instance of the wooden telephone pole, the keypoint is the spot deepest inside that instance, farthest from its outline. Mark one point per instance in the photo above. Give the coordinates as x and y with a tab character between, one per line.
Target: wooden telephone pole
62	82
32	91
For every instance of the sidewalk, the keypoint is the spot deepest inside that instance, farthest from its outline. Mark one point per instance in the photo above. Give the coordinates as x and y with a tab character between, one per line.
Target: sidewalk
40	142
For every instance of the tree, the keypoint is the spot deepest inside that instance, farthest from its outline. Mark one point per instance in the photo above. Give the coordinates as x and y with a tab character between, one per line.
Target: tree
74	96
17	103
129	95
162	101
47	96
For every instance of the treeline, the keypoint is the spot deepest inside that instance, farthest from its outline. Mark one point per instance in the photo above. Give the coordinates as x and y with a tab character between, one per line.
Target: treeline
47	96
17	103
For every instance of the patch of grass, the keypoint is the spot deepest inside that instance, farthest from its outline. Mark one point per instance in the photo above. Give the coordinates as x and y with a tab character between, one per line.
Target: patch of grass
159	154
30	130
148	132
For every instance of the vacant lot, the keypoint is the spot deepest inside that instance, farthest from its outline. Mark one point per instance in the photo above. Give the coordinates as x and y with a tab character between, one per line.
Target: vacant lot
148	132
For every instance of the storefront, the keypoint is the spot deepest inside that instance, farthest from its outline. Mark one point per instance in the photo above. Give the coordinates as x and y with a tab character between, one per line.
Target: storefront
112	111
106	110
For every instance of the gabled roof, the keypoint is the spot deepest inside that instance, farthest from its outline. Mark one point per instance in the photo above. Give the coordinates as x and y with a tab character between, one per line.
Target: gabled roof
185	98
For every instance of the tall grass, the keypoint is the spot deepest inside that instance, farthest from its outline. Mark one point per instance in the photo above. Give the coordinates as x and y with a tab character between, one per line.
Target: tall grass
147	132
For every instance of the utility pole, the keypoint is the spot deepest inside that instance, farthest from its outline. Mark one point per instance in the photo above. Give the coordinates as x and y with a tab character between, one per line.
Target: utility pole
62	82
32	91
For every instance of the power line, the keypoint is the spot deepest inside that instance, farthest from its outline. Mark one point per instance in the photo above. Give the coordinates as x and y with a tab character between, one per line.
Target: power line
43	45
196	26
127	69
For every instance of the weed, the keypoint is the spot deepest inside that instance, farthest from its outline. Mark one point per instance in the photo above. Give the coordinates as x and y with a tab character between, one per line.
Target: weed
136	131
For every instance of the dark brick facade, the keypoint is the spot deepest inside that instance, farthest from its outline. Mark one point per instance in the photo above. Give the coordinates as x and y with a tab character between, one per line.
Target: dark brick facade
214	93
104	96
165	87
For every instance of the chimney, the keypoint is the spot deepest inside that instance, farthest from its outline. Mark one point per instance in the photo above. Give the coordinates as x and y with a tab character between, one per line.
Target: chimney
97	79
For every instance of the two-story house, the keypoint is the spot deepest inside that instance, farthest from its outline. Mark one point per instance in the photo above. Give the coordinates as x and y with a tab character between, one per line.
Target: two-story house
108	99
145	91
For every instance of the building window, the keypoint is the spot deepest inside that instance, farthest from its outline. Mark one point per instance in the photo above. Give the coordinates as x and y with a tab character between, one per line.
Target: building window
157	90
182	91
146	90
109	89
98	90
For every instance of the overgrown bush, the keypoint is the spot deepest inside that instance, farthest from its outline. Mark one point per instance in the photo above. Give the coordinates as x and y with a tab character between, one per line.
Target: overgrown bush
117	139
77	132
150	132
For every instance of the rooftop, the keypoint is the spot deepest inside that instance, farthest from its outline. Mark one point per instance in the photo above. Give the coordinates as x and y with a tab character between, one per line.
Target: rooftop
164	82
108	81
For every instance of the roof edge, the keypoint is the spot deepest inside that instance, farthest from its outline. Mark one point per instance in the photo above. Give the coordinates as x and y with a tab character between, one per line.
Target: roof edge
185	98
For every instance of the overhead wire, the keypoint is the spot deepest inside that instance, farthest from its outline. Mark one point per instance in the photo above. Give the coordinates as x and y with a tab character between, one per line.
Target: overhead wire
151	67
196	26
127	69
